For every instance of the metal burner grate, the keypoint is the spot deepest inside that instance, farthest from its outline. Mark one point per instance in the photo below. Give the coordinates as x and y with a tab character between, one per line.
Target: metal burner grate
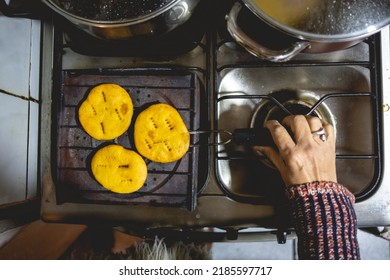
240	172
175	184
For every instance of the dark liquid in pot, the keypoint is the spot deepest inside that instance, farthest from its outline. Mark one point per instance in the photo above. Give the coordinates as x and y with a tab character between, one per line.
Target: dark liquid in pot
110	10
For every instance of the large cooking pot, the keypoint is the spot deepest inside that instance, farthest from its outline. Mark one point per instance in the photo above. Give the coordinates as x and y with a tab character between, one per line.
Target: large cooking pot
310	26
124	19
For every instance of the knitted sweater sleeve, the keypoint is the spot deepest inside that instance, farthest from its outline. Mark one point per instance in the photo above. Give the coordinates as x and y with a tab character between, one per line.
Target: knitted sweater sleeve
324	220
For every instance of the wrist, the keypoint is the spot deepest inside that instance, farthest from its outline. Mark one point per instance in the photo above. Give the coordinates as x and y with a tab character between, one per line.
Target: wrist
317	188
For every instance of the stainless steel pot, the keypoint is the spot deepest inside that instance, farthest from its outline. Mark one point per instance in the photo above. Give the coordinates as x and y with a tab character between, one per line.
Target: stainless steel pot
312	26
153	23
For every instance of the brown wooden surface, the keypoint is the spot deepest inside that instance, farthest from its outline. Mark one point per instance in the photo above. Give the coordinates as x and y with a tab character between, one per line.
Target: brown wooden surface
41	241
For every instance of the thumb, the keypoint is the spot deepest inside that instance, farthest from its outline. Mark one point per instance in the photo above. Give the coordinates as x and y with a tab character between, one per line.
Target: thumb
271	154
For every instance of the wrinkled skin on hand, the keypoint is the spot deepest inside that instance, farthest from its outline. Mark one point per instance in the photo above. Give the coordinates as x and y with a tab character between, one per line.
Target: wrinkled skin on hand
301	157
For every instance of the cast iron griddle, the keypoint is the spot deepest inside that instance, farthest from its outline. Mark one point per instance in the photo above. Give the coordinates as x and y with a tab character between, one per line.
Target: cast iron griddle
170	184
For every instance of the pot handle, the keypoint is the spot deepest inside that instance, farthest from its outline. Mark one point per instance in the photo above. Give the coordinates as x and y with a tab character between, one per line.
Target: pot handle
254	47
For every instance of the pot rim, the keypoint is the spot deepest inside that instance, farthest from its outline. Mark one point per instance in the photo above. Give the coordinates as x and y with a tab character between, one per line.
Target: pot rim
110	23
307	36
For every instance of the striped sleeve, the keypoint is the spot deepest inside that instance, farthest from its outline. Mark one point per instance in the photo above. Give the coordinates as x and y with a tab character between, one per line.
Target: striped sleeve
325	220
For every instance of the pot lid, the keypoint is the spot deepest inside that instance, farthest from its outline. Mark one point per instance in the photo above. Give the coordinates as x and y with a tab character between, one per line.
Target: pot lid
111	10
314	19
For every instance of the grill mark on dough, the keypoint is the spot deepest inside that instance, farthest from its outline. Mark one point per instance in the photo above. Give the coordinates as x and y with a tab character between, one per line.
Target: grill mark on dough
104	96
117	113
167	146
93	108
153	122
169	124
148	144
102	126
127	180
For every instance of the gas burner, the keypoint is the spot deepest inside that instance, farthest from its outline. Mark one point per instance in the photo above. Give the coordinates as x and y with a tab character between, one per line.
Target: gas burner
342	94
282	103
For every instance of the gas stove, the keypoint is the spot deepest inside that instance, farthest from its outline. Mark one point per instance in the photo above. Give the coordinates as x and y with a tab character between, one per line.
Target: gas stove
216	86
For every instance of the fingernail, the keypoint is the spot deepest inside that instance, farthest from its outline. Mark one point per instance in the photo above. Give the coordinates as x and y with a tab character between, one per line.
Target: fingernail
259	150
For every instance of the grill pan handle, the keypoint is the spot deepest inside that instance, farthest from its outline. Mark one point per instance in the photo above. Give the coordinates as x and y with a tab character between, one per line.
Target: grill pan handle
252	137
243	136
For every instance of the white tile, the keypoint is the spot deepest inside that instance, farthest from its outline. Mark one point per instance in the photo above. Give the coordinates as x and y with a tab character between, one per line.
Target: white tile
32	166
15	49
373	247
269	250
35	59
13	148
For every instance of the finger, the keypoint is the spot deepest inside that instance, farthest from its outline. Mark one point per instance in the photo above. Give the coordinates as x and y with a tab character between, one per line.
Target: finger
317	129
314	123
271	154
298	125
329	130
280	135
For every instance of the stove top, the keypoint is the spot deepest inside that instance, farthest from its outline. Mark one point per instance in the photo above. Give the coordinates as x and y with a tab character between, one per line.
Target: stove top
222	186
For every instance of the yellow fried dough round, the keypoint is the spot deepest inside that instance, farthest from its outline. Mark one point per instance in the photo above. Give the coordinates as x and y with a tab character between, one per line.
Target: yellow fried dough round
106	112
118	169
160	134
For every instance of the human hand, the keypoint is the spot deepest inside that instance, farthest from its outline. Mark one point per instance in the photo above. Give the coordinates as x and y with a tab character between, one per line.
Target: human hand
303	157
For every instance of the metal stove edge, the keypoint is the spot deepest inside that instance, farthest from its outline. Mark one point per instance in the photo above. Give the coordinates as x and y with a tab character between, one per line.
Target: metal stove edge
375	211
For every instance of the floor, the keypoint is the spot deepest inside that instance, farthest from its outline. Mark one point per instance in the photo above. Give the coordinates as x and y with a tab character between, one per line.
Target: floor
371	248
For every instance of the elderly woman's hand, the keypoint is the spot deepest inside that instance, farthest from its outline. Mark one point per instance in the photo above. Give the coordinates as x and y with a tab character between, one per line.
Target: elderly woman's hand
303	157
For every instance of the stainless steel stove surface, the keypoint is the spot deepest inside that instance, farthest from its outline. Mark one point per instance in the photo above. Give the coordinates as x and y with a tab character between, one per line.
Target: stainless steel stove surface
339	93
216	86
